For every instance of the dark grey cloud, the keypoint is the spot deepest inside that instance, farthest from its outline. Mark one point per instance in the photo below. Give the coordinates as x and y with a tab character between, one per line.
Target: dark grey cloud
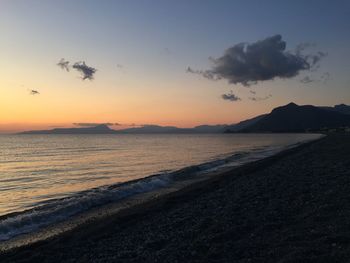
93	124
63	64
86	71
247	64
34	92
260	98
230	97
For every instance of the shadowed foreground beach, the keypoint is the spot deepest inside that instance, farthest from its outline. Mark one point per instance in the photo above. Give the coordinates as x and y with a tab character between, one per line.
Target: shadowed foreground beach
293	207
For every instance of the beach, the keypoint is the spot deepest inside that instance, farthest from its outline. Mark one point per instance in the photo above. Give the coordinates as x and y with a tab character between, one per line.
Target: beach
291	207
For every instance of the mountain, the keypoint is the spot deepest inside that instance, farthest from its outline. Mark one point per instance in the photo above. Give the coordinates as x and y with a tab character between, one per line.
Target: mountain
104	129
295	118
243	124
341	108
99	129
173	129
150	129
288	118
210	128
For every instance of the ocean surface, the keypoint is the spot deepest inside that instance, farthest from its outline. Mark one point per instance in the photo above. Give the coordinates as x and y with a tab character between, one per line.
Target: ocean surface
45	179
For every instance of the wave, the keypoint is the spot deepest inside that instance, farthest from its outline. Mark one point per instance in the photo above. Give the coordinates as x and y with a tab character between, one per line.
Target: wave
57	210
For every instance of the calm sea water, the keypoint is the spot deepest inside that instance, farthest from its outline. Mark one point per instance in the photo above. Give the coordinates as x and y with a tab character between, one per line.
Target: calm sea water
37	169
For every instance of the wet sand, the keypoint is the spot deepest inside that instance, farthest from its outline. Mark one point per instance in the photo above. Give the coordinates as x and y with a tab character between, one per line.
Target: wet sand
292	207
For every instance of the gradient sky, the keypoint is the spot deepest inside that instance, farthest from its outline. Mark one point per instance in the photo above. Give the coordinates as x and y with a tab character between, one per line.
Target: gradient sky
154	42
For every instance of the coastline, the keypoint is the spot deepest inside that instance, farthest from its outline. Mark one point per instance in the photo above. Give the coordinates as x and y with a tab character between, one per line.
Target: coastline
164	201
63	214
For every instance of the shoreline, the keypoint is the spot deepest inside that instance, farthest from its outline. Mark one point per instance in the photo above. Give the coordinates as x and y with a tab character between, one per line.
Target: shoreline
140	203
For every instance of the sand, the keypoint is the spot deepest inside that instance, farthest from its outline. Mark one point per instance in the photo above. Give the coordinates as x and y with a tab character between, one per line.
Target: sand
293	207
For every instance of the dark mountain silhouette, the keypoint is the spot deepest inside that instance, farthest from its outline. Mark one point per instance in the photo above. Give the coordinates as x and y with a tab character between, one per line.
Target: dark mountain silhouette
104	129
294	118
341	108
99	129
243	124
150	129
210	128
173	129
288	118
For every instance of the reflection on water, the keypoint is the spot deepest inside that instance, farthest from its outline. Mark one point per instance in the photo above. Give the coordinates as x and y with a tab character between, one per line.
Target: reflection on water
37	168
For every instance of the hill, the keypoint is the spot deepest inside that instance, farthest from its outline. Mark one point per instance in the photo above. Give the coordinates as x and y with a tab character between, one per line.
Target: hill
99	129
288	118
341	108
243	124
146	129
295	118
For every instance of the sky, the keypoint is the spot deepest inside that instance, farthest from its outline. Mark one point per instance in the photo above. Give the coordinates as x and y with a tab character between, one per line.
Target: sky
167	62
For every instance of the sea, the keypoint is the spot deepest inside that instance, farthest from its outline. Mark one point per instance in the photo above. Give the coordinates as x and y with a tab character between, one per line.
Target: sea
46	179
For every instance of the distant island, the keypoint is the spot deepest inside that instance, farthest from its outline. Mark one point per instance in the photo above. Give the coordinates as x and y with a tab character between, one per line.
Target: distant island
104	129
99	129
287	118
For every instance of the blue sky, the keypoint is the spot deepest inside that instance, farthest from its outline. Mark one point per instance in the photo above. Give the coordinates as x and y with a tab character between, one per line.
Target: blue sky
155	41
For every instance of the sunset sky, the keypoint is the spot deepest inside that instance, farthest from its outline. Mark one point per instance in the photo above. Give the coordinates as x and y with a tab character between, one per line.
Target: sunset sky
142	51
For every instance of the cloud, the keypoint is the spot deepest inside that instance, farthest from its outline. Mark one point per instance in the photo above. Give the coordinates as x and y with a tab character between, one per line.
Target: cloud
247	64
260	98
86	71
120	66
300	48
307	80
205	73
230	97
93	124
34	92
63	64
325	77
167	51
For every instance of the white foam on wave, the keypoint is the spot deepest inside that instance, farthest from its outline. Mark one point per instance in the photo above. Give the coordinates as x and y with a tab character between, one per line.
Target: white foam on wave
54	211
58	210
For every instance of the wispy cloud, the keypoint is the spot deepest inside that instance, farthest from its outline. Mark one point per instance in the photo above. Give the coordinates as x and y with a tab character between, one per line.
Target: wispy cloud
300	48
205	73
230	97
34	92
307	80
266	59
167	51
323	78
260	98
63	64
